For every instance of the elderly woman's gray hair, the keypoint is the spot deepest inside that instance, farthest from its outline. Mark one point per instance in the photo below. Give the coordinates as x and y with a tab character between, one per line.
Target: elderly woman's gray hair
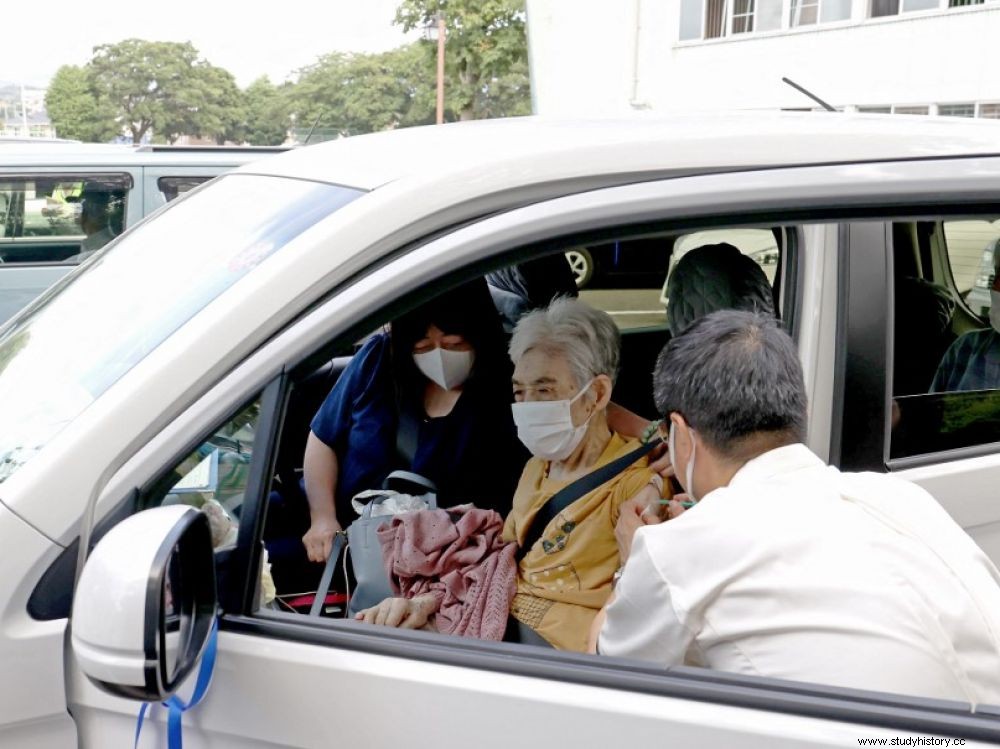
586	337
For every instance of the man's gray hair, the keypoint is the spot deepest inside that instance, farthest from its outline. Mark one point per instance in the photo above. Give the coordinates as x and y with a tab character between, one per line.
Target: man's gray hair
733	376
588	338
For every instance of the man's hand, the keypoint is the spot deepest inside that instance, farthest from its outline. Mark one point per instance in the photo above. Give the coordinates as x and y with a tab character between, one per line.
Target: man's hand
640	510
675	506
404	613
319	539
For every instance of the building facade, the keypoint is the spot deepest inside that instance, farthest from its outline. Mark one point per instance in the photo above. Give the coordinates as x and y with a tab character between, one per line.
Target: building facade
902	56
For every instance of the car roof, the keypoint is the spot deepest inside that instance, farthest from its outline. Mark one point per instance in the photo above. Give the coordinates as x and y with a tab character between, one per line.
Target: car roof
84	155
534	149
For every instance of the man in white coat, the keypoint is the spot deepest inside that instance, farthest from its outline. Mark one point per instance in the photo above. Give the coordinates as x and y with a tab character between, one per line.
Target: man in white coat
785	567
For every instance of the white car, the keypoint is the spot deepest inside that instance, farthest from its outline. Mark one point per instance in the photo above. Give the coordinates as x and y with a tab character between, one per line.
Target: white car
204	337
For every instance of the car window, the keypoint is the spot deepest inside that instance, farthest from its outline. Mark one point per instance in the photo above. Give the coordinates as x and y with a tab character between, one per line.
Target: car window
971	244
51	218
174	187
627	278
54	362
946	363
217	470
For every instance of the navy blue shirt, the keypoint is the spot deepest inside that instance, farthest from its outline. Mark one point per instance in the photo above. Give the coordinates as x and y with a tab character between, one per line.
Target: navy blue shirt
972	363
472	454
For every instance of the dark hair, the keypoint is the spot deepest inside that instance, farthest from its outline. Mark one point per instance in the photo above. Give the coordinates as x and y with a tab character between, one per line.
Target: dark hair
713	277
465	310
735	377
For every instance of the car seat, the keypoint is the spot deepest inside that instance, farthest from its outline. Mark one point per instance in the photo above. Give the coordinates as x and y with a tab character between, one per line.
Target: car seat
714	277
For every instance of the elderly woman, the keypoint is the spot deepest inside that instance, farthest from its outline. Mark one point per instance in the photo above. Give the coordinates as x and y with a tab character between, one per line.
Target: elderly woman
565	362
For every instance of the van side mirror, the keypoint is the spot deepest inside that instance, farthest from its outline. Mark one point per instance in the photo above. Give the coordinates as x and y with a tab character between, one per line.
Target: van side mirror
144	605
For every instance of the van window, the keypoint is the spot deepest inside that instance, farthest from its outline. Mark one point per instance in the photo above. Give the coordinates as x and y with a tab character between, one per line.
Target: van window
174	187
51	218
55	361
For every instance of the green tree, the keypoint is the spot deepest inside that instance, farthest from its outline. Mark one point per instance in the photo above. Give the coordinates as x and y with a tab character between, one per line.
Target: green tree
267	111
74	109
486	69
166	88
349	94
210	105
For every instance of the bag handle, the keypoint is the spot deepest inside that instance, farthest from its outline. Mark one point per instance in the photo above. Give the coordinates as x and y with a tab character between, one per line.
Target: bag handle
324	582
406	480
569	494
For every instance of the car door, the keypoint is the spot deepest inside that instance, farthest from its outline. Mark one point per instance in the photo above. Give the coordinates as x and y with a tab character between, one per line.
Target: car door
290	680
947	442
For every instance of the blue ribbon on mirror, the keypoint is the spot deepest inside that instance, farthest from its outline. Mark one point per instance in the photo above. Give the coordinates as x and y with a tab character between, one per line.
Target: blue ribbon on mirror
175	705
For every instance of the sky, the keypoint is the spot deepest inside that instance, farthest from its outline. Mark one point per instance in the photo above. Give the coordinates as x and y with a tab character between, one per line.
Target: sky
250	38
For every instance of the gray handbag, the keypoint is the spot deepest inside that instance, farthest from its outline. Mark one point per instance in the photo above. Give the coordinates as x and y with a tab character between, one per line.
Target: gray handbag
362	540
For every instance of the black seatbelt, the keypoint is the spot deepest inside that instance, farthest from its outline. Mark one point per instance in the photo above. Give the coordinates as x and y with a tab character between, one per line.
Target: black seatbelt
407	433
569	494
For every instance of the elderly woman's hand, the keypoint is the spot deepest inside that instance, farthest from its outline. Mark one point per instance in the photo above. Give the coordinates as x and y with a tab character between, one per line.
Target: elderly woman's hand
405	613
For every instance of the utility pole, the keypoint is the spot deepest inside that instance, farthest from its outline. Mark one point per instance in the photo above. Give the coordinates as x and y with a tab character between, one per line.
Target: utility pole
440	68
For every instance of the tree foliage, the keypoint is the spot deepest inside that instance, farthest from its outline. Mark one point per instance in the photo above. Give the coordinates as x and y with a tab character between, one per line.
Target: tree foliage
267	113
74	109
486	54
348	94
167	89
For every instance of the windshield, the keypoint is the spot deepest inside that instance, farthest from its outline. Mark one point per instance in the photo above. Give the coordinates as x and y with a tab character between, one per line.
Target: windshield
111	314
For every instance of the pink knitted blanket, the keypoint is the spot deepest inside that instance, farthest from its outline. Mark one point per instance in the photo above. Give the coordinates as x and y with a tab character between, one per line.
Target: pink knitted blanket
457	554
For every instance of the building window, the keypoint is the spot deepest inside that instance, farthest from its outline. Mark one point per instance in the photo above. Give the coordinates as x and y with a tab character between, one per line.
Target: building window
875	110
911	110
742	16
957	110
810	12
963	3
725	17
884	8
880	8
692	12
715	18
804	13
990	111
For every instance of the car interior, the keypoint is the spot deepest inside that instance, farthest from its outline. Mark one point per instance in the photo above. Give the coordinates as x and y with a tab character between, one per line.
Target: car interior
637	308
40	217
937	273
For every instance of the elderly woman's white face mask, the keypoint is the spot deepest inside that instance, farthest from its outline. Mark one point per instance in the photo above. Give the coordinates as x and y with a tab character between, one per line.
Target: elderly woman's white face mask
546	427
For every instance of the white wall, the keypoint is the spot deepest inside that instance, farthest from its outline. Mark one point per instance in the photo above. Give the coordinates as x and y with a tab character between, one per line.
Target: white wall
583	60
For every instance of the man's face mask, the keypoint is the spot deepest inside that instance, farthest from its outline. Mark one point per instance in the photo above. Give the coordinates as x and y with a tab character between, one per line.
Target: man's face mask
546	427
449	369
689	471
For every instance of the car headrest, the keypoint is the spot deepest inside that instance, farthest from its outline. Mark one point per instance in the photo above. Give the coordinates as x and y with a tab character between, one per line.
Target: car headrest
714	277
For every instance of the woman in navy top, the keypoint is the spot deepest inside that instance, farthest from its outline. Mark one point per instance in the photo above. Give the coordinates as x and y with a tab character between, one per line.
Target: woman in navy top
444	366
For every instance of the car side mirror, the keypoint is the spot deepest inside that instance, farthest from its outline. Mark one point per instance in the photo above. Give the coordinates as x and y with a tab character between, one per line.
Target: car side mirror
145	602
